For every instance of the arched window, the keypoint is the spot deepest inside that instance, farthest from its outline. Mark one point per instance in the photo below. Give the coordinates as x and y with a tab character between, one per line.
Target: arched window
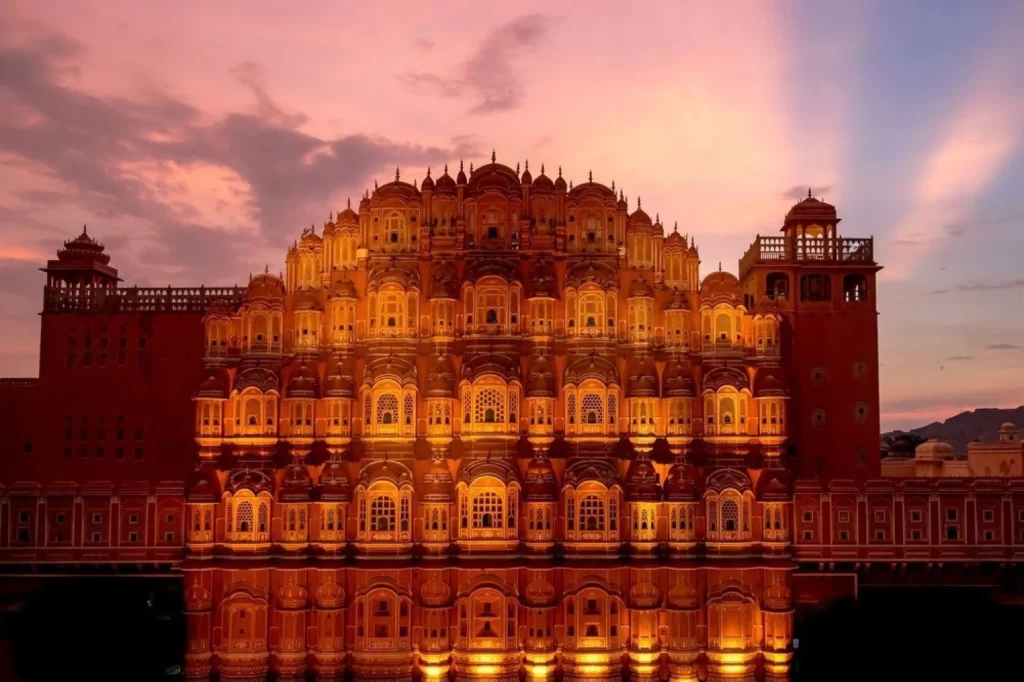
730	516
591	513
382	513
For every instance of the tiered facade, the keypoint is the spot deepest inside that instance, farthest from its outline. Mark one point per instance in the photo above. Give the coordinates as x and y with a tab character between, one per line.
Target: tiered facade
430	444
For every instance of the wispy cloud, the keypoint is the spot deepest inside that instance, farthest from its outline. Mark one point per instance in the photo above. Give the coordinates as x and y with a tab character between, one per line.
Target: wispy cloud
1004	346
490	75
997	285
959	358
799	192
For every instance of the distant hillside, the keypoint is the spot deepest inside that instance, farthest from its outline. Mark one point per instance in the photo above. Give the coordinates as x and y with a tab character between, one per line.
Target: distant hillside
965	427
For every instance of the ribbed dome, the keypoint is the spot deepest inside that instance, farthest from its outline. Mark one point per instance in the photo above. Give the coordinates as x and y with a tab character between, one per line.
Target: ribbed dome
934	450
540	382
340	382
445	184
642	481
302	383
560	182
296	486
441	379
213	387
428	183
437	482
812	210
540	484
334	484
678	382
640	288
680	485
643	380
344	288
542	183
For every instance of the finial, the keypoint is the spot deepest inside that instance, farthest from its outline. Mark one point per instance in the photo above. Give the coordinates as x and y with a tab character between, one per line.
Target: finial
559	171
638	203
331	217
414	183
808	192
85	229
542	169
446	169
428	171
693	240
494	157
527	164
675	228
348	202
657	218
517	168
719	266
613	187
621	195
266	269
570	184
590	176
470	167
374	185
397	176
460	164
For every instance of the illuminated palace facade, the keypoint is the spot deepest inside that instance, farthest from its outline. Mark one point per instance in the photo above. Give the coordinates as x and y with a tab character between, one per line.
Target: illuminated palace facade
488	425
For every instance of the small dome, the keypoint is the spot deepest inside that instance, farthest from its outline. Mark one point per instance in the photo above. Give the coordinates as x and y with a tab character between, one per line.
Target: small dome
441	379
348	216
540	484
639	218
680	485
643	380
767	385
678	382
340	382
296	486
934	450
428	183
540	382
526	178
677	301
437	482
560	182
213	387
721	287
812	210
265	286
445	184
461	177
307	300
333	485
642	481
344	288
640	288
541	283
364	203
203	486
542	183
302	383
249	479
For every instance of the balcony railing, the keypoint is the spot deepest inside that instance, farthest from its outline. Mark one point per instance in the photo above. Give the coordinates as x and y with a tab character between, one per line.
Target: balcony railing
797	249
138	300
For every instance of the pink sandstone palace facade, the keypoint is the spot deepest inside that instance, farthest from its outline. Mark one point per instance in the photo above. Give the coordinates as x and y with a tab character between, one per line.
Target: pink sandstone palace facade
487	426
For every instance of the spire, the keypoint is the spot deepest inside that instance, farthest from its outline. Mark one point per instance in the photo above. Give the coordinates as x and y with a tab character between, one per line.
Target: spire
494	157
638	203
375	185
348	202
570	185
559	171
397	176
517	168
590	176
657	219
460	164
331	217
414	183
675	228
470	167
542	169
266	269
85	229
719	266
428	171
622	197
808	192
527	165
446	169
613	187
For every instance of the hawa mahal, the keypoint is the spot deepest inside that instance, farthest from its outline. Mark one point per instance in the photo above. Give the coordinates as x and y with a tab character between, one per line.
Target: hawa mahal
489	426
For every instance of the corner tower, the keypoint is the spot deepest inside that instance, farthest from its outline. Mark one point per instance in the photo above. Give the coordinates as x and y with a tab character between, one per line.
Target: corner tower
823	285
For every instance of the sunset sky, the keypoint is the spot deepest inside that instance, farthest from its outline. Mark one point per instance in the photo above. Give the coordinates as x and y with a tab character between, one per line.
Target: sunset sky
197	139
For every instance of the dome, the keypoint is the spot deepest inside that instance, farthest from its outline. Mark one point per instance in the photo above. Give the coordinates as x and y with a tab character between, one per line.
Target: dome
680	485
812	210
393	367
934	450
203	486
441	379
526	178
773	486
344	288
642	481
677	301
678	382
333	485
302	383
640	288
307	300
490	363
721	287
260	378
560	181
643	380
540	382
364	203
621	204
445	184
720	377
348	216
251	480
597	470
540	484
542	183
213	387
461	178
435	593
428	183
591	366
340	382
767	385
444	280
385	470
493	176
265	286
675	240
296	486
589	270
639	217
1008	432
541	283
644	596
437	482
